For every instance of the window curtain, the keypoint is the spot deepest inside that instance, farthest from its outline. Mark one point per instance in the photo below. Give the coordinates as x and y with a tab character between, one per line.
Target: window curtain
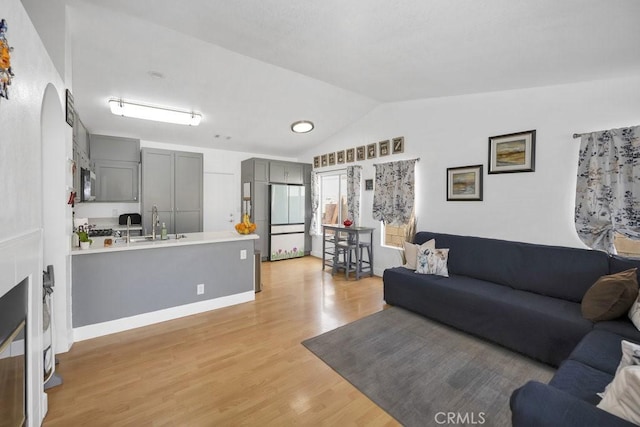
394	194
354	174
608	187
315	203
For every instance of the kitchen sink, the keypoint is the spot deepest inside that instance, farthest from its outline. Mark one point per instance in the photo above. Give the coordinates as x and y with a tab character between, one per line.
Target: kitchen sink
138	239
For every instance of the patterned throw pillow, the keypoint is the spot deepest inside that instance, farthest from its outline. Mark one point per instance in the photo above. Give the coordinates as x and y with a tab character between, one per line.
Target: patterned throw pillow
630	357
411	252
433	261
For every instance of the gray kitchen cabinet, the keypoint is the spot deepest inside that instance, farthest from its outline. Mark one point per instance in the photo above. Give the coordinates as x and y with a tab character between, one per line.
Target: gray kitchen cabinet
259	173
103	147
80	154
286	173
116	181
173	181
115	161
307	207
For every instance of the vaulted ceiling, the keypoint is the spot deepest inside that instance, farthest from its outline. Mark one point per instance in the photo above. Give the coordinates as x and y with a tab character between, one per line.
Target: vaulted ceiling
252	67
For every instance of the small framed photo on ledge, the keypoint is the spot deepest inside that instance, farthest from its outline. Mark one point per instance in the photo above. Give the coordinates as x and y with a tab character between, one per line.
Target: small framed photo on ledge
351	155
340	156
514	152
464	183
361	153
332	159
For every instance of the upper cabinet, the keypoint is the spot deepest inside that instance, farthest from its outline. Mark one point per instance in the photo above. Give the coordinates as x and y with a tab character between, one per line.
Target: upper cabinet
116	163
286	173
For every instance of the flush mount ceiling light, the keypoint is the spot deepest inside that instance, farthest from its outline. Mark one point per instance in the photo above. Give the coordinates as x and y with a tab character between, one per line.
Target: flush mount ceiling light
149	112
302	126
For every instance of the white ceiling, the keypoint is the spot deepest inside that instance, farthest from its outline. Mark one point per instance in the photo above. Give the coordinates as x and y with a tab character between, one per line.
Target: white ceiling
252	67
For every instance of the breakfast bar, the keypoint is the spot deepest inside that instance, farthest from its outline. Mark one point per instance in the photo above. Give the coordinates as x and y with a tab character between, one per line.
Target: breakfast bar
128	285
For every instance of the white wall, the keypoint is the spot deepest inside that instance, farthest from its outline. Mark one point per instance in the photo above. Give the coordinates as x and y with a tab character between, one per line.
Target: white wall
447	132
21	216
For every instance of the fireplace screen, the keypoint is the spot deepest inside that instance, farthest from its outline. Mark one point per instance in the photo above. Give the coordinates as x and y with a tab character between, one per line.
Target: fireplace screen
13	380
13	351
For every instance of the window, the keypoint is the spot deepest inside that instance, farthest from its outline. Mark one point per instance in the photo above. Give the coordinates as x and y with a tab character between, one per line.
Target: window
626	247
394	235
333	198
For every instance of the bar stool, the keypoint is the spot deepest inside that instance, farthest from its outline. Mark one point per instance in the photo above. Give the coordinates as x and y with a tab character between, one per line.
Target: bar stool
346	249
365	266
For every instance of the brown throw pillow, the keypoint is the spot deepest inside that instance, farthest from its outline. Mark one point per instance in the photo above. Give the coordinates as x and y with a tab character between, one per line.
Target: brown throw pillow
611	296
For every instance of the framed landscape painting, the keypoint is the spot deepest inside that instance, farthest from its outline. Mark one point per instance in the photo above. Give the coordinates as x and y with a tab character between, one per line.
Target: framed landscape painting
464	183
514	152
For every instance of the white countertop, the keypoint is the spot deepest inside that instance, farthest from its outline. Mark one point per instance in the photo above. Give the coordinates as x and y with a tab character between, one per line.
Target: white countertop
191	239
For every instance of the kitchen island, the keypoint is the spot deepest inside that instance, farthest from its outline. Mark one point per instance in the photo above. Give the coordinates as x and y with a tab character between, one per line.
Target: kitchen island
129	285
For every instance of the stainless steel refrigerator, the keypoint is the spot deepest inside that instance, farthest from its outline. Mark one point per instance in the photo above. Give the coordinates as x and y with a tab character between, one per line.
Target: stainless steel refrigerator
286	227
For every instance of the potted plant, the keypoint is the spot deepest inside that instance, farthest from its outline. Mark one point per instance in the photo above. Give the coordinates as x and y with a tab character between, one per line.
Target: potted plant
85	241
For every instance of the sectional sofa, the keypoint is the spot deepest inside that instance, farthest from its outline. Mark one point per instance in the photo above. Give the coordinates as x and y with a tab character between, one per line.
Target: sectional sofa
526	297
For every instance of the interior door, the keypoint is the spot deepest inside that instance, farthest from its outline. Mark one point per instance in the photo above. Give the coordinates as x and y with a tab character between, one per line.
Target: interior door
221	210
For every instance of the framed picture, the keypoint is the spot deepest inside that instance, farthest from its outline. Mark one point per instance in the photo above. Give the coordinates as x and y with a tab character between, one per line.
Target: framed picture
361	153
371	151
332	159
514	152
464	183
324	160
368	184
316	162
70	112
384	147
397	144
340	156
351	155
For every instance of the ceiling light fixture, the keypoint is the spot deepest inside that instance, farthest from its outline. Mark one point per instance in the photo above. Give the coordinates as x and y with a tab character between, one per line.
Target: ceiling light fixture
302	126
148	112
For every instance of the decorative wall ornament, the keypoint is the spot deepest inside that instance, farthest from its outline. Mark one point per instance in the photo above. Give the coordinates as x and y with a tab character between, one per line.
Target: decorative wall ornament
70	112
332	159
316	162
368	184
340	156
6	72
361	153
464	183
371	150
351	155
514	152
324	160
383	147
398	145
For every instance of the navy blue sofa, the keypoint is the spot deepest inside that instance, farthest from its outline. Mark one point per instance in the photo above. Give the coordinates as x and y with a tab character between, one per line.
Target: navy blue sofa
526	297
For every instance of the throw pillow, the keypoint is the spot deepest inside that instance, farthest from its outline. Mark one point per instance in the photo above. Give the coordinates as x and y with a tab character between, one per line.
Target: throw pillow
611	296
634	313
433	261
411	252
630	357
622	399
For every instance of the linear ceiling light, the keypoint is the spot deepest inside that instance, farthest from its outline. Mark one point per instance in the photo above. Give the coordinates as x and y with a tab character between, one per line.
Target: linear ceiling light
149	112
303	126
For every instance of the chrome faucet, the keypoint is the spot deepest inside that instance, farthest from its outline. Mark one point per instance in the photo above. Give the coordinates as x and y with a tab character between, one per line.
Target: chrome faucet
154	221
128	238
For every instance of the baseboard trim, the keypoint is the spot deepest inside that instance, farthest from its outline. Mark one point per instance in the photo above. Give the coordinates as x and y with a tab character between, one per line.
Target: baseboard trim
119	325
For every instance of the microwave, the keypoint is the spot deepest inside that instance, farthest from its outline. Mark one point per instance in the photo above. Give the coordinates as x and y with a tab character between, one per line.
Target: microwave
88	185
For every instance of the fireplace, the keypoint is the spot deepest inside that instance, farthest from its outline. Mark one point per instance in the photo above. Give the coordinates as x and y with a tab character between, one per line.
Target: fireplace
13	351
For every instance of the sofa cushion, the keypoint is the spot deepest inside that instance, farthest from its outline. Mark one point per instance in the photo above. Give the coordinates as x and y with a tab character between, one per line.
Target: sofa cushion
580	380
567	272
611	296
599	349
622	327
541	327
618	263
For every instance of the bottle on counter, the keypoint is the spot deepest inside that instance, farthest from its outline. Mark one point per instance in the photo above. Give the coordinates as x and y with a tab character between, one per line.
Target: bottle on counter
163	232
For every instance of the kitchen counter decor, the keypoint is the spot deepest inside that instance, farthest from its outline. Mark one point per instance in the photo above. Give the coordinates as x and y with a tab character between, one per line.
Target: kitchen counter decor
246	226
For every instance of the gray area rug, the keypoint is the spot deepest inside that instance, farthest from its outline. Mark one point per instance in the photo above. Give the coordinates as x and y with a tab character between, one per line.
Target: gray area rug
424	373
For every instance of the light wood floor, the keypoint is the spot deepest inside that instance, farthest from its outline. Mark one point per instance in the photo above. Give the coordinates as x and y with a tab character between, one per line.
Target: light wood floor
241	365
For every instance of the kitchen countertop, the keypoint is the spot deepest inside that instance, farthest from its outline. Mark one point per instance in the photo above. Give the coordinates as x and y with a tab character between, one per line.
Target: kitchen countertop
191	239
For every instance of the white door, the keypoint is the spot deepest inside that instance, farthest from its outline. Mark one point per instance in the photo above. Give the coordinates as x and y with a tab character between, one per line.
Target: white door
221	201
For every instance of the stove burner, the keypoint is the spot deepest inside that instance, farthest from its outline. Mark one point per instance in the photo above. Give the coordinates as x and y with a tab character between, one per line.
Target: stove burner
100	232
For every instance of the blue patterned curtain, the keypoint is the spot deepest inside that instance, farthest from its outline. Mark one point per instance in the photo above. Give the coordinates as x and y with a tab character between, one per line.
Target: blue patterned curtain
608	187
394	194
315	203
353	193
